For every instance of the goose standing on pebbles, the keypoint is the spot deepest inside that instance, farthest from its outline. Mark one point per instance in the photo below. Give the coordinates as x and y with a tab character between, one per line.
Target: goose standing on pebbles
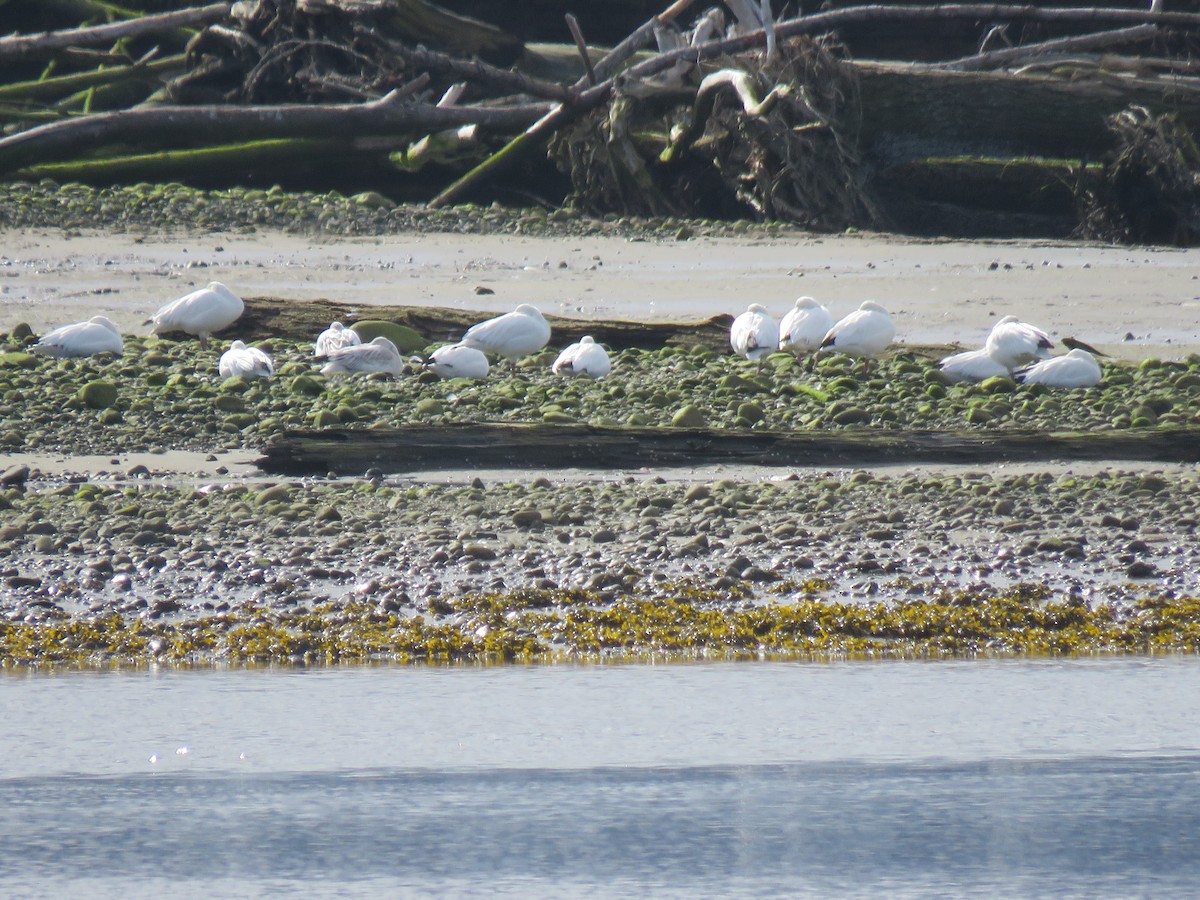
754	334
458	361
584	357
864	333
96	335
249	362
512	335
380	355
1075	370
335	337
1014	343
201	312
804	327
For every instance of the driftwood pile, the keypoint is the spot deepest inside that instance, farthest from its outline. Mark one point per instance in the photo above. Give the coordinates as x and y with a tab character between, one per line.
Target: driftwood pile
967	119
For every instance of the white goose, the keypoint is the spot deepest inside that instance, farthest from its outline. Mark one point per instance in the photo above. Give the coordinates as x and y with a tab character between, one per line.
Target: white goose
865	332
96	335
1075	370
335	337
249	362
972	365
512	335
201	312
380	355
458	361
754	334
584	357
804	327
1014	343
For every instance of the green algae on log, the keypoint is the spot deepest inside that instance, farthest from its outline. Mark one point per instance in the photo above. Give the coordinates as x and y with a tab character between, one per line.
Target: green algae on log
424	447
272	317
556	626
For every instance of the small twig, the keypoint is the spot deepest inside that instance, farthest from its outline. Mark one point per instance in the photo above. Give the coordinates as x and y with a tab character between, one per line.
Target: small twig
581	45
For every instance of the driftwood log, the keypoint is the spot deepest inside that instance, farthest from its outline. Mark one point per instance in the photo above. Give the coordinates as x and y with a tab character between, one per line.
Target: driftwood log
171	125
267	317
425	448
296	92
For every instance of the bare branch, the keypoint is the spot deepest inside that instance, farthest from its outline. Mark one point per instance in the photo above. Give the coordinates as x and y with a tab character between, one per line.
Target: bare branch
29	46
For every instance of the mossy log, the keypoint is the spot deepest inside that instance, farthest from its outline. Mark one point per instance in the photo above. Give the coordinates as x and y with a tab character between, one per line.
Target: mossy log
272	317
203	165
1041	186
910	112
470	446
50	88
172	126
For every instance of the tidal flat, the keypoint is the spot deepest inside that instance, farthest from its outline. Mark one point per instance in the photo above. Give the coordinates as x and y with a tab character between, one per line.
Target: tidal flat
107	561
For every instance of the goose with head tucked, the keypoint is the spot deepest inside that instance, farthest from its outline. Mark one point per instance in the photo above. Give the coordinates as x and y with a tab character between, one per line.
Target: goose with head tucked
754	334
1077	369
249	362
1014	343
584	357
96	335
335	337
804	327
458	361
972	365
200	313
380	355
512	335
864	333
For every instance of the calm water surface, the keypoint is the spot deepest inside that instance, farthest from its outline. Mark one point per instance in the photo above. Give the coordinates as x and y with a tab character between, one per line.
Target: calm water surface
1049	778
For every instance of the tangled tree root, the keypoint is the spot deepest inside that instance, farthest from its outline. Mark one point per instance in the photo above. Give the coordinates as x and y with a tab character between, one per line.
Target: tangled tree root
769	139
1150	189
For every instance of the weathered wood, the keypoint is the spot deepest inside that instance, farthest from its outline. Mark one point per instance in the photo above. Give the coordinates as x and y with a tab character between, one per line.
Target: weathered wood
35	46
913	111
48	88
469	446
1040	186
422	22
82	10
537	134
202	165
266	317
1028	52
166	126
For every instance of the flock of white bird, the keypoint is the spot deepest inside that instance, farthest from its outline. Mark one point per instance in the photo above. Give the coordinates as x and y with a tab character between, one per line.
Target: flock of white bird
206	311
1012	348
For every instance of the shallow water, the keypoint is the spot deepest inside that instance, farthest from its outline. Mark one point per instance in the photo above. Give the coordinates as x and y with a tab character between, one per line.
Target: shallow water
1031	778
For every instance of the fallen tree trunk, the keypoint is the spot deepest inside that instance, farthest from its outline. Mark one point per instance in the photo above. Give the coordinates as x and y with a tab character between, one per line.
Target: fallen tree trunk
35	46
203	165
912	111
424	448
167	126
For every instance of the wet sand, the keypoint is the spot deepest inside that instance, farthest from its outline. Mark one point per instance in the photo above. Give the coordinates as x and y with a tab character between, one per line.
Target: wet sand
1129	302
